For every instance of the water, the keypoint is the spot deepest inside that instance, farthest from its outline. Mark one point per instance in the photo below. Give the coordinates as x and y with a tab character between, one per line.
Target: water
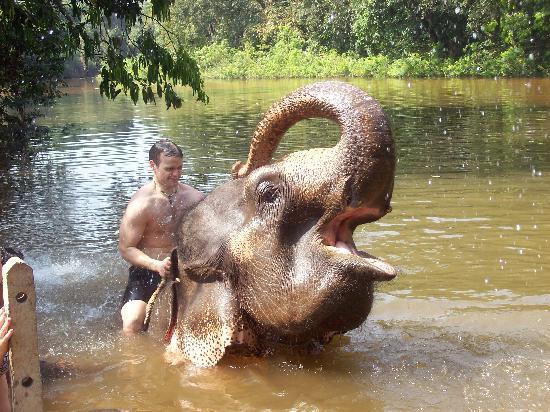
466	324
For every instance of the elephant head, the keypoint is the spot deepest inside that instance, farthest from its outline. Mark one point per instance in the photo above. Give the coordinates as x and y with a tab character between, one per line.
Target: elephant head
269	256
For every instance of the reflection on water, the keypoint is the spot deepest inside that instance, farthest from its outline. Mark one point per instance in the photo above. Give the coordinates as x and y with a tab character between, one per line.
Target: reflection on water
464	326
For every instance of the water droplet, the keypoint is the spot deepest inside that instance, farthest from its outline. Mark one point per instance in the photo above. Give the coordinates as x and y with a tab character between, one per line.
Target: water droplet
50	31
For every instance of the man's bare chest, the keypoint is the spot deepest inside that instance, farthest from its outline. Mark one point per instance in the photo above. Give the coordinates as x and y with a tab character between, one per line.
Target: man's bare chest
164	220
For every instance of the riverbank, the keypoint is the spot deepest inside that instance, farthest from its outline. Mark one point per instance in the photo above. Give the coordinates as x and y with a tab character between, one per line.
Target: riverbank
287	59
290	58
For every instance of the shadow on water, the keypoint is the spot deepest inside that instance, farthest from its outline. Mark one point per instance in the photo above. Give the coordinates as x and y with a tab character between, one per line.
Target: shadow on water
464	326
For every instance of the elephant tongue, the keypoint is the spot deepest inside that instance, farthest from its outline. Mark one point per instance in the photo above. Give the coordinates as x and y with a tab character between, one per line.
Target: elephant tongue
344	247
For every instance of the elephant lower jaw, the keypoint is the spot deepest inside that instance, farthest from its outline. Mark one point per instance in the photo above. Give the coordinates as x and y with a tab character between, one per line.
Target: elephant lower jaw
337	239
375	268
340	247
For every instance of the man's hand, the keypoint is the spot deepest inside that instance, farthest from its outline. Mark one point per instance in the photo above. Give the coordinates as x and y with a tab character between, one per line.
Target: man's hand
164	267
5	332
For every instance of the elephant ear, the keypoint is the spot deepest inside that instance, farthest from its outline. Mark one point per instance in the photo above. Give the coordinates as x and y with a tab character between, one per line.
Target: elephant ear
207	320
204	234
210	266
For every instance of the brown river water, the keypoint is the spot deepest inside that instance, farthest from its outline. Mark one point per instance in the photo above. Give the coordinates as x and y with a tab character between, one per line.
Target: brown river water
465	325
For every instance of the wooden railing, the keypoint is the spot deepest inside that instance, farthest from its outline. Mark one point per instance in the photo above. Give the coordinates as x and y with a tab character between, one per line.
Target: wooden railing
20	304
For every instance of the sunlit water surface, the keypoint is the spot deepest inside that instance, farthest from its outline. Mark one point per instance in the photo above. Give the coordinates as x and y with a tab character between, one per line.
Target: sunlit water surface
466	324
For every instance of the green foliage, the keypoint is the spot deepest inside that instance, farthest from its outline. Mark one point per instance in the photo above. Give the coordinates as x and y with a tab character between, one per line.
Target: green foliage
483	60
397	27
287	57
415	65
32	54
515	28
201	22
381	27
36	37
371	66
291	57
325	23
374	38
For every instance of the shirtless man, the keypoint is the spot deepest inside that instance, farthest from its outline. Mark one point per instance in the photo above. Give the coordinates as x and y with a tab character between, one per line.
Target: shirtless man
149	228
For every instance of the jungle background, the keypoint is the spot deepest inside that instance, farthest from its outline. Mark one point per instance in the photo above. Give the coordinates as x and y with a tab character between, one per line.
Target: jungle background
145	48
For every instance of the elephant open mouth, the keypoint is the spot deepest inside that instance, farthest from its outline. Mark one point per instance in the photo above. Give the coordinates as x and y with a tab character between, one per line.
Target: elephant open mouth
337	237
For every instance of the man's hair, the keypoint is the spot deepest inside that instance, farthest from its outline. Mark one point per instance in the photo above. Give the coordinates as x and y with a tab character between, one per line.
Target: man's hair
7	252
164	146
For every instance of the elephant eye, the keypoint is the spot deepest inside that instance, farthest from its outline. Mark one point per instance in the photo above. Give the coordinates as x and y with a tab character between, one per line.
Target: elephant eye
267	192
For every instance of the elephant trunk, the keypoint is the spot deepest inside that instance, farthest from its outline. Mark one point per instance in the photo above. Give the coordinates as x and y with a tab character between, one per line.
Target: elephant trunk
365	131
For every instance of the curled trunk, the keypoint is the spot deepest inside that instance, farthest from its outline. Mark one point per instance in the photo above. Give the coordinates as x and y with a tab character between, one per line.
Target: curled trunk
365	131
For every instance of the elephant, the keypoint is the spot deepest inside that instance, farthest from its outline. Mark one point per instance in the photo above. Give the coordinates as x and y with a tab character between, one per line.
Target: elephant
268	258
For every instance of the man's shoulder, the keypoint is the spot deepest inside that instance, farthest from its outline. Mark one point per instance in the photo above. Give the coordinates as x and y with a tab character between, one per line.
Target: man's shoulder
190	191
144	191
188	196
143	198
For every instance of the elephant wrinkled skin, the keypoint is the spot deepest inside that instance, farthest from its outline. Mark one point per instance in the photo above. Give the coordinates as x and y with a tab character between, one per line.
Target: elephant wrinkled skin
269	257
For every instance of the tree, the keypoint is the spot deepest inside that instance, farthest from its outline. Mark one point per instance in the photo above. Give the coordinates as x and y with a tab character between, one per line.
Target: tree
37	36
397	27
325	23
452	28
202	22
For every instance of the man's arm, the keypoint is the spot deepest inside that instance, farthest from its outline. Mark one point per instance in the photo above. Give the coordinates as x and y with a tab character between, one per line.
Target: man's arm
132	228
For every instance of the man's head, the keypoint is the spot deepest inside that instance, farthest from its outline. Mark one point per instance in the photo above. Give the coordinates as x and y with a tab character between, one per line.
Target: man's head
166	161
166	147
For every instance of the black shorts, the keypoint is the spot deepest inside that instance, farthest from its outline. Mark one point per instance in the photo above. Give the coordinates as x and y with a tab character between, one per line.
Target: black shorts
142	283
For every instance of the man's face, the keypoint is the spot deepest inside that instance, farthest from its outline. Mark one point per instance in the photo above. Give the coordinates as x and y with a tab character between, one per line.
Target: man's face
168	171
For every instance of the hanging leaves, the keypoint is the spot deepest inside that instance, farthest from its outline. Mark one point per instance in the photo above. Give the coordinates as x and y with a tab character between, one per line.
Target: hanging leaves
37	37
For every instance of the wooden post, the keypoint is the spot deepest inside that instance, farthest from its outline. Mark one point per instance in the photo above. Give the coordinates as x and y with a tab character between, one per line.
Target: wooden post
20	304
